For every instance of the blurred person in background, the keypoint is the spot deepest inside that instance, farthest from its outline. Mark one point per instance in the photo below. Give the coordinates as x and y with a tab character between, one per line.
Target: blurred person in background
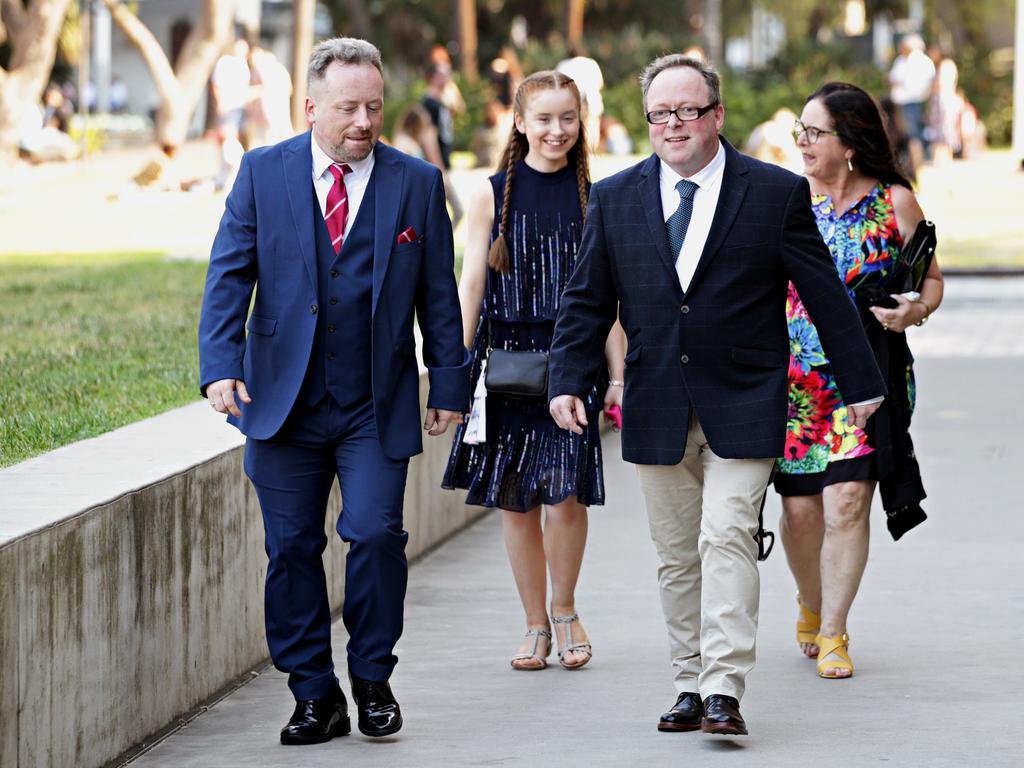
944	108
910	88
415	134
865	211
586	73
232	92
269	112
772	141
433	101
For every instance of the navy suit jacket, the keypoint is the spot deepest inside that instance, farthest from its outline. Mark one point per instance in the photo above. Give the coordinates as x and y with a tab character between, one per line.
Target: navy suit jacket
266	241
723	346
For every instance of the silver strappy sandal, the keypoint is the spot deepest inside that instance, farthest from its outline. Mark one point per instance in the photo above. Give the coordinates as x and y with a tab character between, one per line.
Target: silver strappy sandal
570	646
536	634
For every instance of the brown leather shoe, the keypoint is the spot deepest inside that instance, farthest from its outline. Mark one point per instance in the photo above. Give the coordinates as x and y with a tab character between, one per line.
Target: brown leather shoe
685	714
722	716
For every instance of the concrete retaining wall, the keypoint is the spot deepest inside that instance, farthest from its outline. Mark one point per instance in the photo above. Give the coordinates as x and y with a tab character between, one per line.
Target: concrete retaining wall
131	581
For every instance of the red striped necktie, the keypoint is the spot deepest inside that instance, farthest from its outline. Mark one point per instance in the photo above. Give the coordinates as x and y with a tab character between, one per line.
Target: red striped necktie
337	206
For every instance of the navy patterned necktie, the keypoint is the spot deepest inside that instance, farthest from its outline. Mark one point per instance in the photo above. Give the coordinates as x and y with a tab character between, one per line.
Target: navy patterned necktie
679	221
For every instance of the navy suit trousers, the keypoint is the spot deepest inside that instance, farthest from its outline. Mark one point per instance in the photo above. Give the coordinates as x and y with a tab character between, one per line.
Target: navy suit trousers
293	473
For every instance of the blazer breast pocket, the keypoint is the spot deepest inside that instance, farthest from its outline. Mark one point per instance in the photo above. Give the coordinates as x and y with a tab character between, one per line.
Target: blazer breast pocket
413	247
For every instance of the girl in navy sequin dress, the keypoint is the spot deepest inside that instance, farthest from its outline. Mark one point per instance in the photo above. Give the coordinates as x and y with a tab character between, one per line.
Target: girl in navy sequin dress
524	233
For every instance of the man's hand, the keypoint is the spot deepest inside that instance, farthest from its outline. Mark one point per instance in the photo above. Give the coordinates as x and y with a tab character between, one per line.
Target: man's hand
221	395
569	413
857	415
438	419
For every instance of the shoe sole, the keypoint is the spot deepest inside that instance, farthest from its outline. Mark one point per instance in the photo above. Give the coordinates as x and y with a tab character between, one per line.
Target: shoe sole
678	727
378	734
343	728
723	729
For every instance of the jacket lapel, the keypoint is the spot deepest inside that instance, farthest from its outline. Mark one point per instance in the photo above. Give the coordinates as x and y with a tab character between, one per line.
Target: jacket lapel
298	173
730	199
389	172
650	197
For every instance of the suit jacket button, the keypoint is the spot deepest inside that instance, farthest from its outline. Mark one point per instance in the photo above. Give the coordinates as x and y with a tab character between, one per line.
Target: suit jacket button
330	355
334	273
684	359
685	309
312	309
331	329
334	299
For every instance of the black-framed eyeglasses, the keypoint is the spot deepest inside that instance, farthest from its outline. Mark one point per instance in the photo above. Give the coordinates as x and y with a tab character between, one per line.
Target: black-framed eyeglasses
685	114
812	132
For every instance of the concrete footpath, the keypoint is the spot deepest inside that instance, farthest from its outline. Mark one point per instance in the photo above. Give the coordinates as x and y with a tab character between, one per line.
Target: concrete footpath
938	678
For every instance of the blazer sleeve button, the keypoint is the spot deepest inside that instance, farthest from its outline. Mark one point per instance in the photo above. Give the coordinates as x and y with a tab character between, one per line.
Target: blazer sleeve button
312	309
684	359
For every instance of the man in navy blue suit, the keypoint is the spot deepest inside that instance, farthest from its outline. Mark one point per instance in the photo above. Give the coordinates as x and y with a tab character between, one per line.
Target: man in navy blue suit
343	239
694	249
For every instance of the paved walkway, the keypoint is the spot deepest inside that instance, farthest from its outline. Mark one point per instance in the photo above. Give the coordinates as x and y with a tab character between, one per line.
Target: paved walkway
938	682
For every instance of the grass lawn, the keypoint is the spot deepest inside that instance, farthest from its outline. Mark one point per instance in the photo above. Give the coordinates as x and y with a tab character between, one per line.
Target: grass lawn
92	343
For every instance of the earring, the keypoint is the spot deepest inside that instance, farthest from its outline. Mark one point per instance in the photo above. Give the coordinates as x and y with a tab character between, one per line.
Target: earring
849	164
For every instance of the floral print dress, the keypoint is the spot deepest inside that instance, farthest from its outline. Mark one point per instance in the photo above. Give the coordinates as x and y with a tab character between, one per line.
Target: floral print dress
821	448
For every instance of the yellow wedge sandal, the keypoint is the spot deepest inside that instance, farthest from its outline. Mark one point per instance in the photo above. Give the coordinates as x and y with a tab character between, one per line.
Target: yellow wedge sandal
807	624
833	645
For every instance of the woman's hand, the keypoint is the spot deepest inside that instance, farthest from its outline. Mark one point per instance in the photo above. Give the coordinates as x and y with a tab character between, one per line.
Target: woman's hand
906	314
613	396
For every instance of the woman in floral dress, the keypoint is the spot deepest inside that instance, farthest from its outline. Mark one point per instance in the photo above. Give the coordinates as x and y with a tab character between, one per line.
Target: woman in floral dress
865	211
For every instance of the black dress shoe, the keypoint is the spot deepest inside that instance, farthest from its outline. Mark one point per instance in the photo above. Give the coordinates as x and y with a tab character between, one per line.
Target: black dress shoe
722	716
379	714
685	714
315	721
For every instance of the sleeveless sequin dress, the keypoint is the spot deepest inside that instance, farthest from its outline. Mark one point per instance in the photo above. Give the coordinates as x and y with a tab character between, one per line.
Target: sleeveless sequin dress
527	460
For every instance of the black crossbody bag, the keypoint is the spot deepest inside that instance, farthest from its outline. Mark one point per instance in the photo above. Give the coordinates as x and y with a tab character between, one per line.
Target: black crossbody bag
516	373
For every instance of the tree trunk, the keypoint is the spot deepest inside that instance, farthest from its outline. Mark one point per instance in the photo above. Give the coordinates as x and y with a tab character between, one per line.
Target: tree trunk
181	89
466	13
574	23
711	33
360	19
32	33
302	46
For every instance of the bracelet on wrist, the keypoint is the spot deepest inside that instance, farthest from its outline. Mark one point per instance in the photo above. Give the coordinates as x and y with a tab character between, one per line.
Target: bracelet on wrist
927	312
616	383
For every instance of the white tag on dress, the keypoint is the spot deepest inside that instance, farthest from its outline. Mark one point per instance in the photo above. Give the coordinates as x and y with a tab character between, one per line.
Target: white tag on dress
476	427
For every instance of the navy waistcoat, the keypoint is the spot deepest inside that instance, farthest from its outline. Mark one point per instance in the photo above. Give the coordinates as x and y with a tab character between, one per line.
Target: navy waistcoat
340	363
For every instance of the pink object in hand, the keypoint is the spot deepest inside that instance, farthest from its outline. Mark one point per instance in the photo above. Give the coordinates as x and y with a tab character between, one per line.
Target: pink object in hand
614	415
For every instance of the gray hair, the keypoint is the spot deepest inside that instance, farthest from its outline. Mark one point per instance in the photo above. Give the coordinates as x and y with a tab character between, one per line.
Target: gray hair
344	50
672	60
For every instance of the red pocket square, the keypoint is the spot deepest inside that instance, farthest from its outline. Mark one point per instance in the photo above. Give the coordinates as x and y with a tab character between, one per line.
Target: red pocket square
408	236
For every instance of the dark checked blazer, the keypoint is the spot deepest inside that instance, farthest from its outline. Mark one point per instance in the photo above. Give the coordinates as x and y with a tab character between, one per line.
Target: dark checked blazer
722	348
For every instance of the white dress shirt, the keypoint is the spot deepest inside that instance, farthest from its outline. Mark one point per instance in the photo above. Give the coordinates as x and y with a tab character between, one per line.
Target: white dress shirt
705	201
355	182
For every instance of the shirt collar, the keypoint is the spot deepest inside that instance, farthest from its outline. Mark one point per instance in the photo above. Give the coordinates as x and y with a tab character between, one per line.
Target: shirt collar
702	178
322	161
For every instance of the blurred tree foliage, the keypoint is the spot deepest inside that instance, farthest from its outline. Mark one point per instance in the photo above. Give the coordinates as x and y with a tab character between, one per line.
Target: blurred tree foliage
623	38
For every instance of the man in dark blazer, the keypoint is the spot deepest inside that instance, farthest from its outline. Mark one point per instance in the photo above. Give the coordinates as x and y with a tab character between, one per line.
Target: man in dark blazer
343	239
693	249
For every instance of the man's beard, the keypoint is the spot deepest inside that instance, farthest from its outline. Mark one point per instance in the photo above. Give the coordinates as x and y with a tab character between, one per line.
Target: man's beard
344	155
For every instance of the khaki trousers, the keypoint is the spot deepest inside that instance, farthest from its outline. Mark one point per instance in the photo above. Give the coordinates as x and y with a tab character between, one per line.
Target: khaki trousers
703	517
